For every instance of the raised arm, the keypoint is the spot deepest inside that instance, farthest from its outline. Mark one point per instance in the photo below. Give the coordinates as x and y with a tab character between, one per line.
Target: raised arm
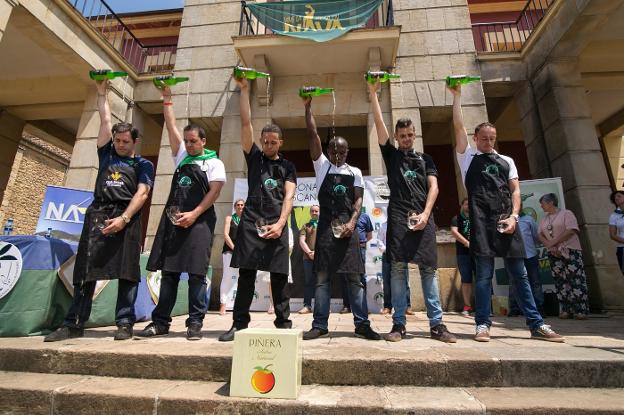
106	119
461	138
245	115
380	126
314	141
175	138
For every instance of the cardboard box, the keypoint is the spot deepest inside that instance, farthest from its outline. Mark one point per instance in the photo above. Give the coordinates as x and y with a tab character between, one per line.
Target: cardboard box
267	363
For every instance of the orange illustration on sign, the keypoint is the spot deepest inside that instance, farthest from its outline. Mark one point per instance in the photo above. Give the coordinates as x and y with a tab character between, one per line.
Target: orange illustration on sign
263	379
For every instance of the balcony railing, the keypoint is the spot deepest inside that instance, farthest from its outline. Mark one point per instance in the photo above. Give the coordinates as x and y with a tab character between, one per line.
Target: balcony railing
250	26
510	36
144	59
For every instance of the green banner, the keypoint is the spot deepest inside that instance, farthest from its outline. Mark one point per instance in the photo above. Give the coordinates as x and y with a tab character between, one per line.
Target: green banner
320	21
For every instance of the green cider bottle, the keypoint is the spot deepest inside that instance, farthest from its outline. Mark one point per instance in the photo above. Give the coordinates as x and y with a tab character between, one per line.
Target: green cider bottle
380	76
103	74
168	80
454	80
249	73
314	91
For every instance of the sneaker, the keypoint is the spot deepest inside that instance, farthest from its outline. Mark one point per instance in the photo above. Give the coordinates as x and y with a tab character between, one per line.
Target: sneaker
315	333
386	311
124	332
64	333
153	330
466	311
440	332
409	312
396	334
544	332
482	333
365	331
193	332
345	310
228	336
305	310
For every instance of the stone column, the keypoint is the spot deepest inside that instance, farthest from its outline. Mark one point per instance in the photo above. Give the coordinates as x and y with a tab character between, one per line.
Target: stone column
11	129
562	142
83	167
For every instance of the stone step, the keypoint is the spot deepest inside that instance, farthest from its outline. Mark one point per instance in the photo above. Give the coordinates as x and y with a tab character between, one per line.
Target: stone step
30	393
539	364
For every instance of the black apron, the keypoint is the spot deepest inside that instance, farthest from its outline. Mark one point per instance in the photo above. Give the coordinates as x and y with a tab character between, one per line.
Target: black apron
489	197
336	255
177	249
265	199
232	234
409	192
114	256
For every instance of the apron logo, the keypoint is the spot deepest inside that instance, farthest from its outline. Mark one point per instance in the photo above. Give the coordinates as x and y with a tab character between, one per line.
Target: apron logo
185	181
491	169
270	183
340	190
410	175
379	298
115	180
10	267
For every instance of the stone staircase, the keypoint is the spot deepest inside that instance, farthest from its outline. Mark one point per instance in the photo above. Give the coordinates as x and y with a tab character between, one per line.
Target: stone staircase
341	374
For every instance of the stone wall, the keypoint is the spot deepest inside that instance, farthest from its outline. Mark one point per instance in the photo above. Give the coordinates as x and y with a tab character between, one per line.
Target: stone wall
36	165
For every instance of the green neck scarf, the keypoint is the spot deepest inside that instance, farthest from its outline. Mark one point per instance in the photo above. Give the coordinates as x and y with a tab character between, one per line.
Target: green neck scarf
235	218
207	155
314	222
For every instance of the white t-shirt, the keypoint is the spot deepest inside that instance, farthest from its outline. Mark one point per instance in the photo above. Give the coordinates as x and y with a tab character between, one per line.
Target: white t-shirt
214	168
322	168
465	159
617	220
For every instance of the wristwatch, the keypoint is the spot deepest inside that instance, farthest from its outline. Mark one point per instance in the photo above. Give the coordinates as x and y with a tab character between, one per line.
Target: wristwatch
515	217
125	218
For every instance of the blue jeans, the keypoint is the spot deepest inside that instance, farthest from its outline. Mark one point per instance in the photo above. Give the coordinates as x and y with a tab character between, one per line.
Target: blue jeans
80	308
322	299
345	288
532	269
399	275
309	280
387	291
517	277
198	305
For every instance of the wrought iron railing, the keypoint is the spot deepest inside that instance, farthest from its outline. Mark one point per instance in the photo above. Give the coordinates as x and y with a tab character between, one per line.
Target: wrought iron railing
510	36
145	59
250	26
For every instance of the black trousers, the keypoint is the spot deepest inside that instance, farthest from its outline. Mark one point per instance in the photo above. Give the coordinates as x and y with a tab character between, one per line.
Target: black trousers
244	296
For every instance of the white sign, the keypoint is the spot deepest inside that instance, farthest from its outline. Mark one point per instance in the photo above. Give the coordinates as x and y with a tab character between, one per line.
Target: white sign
10	267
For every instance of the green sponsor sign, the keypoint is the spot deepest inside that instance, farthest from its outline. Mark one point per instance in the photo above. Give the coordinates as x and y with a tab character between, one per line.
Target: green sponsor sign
316	20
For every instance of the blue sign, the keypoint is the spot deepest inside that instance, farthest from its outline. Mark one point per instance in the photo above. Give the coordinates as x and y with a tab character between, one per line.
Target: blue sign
64	210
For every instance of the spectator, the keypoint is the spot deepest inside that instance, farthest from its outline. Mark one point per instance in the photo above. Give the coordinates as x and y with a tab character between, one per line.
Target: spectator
230	228
528	228
460	228
616	225
307	240
559	234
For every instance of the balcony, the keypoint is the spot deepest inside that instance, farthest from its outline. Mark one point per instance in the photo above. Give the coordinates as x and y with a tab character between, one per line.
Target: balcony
510	36
143	59
256	45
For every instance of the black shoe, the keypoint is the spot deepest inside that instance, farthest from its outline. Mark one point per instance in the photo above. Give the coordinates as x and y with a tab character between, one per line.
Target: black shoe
440	332
229	335
124	332
193	332
315	333
153	330
64	333
364	331
396	334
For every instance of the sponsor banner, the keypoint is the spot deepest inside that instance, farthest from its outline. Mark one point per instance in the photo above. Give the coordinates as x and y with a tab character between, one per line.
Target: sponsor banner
319	20
64	210
531	191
